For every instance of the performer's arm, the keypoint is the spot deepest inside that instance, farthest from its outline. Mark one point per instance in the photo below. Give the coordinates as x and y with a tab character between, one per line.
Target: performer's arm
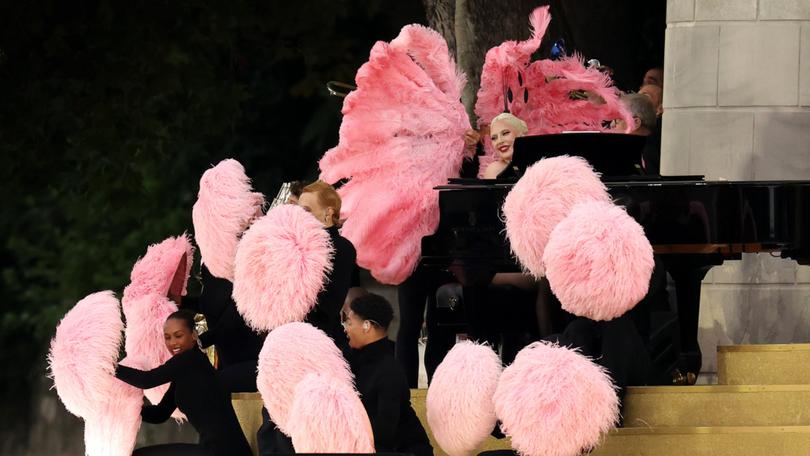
161	412
151	378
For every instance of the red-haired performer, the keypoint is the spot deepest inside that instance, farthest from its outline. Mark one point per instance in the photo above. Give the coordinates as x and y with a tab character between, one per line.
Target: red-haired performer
323	202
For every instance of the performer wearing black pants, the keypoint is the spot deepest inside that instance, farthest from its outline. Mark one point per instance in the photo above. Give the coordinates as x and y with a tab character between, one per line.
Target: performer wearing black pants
194	390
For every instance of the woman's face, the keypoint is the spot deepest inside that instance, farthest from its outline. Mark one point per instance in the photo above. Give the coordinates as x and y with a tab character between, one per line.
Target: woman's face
503	139
178	337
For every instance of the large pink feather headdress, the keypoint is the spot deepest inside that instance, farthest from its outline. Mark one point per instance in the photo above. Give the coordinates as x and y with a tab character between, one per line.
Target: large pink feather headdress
226	204
550	96
401	136
82	362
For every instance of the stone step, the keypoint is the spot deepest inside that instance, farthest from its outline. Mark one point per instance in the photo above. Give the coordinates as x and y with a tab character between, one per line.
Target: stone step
773	364
707	441
717	405
248	409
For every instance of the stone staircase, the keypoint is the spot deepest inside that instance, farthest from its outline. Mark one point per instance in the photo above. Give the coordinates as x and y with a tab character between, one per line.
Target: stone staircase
760	406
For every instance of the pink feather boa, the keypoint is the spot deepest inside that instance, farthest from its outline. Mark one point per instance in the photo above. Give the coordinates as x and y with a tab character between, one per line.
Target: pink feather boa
543	100
401	136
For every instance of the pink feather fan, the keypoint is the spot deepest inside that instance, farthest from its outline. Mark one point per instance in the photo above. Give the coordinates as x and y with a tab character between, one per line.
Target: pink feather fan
144	335
289	354
327	416
281	266
401	135
162	271
82	362
460	410
113	429
226	204
552	401
541	199
598	261
542	90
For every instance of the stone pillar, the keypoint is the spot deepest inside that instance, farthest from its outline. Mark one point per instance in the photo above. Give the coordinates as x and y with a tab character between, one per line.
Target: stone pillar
737	107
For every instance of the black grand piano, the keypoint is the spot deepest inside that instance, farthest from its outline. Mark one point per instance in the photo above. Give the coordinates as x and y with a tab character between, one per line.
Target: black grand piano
693	224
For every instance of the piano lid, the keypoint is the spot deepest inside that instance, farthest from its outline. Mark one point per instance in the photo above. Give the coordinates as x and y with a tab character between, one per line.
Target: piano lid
611	154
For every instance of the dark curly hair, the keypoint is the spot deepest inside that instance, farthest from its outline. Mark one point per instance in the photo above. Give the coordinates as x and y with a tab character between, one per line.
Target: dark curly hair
374	308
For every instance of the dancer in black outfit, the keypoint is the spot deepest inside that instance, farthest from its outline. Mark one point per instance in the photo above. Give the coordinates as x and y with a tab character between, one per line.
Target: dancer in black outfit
194	390
236	344
381	379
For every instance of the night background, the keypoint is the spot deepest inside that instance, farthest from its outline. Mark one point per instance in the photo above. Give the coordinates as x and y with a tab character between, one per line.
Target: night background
111	111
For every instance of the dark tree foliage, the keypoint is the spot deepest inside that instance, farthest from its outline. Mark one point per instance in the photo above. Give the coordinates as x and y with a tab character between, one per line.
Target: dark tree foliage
109	113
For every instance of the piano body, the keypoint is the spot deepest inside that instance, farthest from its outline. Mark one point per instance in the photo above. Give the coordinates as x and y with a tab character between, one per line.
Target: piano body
693	225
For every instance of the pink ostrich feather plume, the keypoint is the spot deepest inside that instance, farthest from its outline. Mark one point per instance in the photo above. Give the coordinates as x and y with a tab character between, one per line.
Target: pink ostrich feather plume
144	334
460	410
113	428
155	272
84	353
82	362
550	108
226	204
503	63
281	264
327	416
552	401
289	354
401	135
598	261
541	199
542	89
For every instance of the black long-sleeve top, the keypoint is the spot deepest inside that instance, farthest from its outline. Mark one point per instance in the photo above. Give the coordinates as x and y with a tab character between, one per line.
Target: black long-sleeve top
235	342
385	395
326	314
195	391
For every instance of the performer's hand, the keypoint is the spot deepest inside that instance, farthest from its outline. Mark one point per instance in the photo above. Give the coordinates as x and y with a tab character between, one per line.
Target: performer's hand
471	138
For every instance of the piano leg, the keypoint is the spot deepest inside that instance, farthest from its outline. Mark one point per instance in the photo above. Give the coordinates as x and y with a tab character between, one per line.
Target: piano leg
688	271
